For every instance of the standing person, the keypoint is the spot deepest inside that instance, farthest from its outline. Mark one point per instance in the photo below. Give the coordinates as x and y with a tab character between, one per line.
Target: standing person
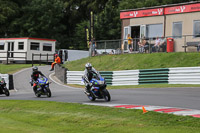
163	44
57	61
129	43
88	74
34	76
93	46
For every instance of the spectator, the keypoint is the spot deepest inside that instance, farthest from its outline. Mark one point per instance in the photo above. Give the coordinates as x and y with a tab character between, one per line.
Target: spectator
163	44
93	46
141	45
57	61
156	46
129	43
198	47
122	48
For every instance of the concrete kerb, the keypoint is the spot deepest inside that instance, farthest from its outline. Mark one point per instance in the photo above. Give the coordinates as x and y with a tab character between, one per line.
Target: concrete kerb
57	81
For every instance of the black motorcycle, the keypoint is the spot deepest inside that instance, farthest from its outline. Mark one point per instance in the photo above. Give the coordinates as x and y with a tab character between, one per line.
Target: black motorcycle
3	88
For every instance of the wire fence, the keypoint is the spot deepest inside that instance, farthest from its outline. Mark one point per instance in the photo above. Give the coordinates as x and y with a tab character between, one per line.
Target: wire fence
185	43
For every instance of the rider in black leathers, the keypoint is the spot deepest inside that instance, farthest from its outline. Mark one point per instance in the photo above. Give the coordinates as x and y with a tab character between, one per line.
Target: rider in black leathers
88	74
34	76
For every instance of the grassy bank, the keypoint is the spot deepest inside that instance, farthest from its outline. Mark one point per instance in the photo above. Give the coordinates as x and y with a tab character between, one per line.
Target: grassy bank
137	61
12	68
43	116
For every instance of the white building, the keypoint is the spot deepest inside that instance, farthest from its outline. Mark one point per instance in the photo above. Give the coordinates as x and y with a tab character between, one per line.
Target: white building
21	49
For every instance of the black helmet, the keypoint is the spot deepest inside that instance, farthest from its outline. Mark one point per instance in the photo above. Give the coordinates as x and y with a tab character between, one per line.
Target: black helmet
35	68
88	66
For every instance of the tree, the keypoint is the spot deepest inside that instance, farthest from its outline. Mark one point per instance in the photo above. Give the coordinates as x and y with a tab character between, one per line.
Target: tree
8	11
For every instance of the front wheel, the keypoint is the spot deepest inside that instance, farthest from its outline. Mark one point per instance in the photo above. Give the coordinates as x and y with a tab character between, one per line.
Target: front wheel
91	97
6	91
48	93
106	95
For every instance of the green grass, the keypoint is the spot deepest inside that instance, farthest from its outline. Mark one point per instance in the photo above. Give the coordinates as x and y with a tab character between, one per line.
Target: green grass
137	61
142	86
44	116
12	68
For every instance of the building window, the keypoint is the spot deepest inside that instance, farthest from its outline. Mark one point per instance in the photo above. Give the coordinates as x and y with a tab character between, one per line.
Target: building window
196	30
2	45
47	47
177	30
20	45
35	46
154	30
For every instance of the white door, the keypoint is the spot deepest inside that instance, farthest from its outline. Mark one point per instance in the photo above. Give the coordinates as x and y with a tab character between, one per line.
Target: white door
10	49
142	31
127	30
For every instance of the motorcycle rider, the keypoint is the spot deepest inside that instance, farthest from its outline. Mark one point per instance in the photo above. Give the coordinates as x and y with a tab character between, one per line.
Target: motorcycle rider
34	76
88	74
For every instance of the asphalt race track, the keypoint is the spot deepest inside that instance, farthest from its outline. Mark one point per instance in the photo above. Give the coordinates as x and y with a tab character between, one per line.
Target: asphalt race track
169	97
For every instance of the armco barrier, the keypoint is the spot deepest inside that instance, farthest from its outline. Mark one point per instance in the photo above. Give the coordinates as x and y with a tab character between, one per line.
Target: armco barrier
180	75
153	76
184	75
114	78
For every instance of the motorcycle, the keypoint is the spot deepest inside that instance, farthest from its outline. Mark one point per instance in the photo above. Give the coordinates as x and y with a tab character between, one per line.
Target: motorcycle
98	89
3	88
42	84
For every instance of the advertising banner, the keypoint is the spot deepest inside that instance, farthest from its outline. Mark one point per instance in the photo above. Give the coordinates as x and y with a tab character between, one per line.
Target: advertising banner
141	13
182	9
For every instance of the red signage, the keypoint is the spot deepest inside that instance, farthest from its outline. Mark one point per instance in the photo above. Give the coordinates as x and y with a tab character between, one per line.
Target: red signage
141	13
182	9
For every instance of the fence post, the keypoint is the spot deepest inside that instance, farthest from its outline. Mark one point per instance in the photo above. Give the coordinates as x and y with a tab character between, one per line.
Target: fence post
47	58
185	43
7	57
32	58
26	57
150	48
40	59
105	46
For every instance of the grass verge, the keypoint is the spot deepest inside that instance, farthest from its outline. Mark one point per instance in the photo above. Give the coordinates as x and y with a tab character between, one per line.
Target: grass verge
136	61
12	68
141	86
45	116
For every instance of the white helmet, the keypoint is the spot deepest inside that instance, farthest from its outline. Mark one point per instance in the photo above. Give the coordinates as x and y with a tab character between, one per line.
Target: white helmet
88	66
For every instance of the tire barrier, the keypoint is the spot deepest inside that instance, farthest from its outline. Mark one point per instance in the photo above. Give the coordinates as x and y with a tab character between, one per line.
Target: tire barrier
180	75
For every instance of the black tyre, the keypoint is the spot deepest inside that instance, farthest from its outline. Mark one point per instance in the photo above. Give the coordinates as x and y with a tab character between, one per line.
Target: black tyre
37	94
48	93
106	95
6	91
92	97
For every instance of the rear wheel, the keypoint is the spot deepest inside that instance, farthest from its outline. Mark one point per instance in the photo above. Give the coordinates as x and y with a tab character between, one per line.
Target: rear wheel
106	95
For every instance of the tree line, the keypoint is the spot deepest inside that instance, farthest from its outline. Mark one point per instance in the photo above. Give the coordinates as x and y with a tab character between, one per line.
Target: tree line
65	20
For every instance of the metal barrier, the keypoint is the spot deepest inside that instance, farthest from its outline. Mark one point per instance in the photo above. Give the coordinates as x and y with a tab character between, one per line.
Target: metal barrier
180	75
120	46
11	56
40	60
184	75
153	76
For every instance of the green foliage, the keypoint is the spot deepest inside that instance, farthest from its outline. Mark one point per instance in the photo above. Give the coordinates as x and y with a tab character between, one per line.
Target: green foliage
65	20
